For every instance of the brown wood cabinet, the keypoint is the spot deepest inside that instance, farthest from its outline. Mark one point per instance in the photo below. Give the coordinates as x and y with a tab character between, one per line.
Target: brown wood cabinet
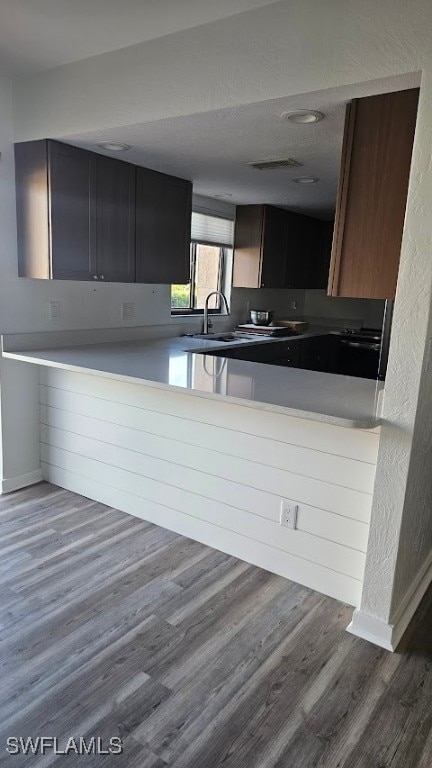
373	185
85	216
275	248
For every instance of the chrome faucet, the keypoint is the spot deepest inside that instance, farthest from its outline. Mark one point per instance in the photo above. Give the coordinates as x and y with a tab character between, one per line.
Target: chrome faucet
206	317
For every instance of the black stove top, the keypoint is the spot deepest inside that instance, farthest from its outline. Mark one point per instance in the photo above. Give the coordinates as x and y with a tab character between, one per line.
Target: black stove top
363	334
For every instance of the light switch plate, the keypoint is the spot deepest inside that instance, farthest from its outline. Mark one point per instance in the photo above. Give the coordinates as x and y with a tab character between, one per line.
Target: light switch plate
127	310
288	515
53	309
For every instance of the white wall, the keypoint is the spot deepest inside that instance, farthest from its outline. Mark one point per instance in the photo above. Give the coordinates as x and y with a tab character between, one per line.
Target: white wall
24	307
287	48
24	303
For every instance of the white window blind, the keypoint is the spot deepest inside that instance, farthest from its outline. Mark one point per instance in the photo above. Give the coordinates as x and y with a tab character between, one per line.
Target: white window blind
212	230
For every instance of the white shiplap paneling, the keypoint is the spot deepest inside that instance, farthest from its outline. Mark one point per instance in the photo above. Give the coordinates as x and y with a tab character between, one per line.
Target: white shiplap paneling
354	443
217	471
275	560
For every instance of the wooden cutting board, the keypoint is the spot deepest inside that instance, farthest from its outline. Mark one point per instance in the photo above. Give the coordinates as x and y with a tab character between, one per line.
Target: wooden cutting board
265	330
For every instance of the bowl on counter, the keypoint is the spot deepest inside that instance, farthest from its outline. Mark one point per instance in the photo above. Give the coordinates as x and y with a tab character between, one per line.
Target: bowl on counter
261	317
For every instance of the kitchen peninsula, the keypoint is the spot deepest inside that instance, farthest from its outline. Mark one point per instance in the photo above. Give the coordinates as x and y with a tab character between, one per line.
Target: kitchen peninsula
211	447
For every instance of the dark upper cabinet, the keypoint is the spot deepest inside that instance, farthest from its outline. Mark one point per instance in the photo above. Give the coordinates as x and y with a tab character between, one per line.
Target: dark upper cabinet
275	248
115	220
299	244
55	214
71	183
163	228
85	216
318	243
308	252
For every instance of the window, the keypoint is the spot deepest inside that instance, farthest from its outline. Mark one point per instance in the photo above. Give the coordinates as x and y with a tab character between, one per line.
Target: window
207	266
212	237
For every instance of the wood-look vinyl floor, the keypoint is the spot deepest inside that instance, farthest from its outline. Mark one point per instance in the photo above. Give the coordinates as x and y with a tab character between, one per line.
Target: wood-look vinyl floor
111	626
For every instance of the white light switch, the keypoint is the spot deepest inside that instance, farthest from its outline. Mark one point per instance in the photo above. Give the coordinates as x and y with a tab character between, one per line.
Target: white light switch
288	516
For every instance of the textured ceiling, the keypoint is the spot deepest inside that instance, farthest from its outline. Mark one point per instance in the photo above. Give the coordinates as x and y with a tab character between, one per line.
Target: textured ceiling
40	34
213	148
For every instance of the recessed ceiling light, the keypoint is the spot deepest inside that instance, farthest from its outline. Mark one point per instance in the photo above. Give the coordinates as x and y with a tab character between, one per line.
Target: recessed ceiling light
114	146
306	180
303	116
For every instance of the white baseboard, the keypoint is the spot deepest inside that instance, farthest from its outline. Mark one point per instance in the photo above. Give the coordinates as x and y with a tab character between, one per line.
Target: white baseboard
10	484
372	629
388	635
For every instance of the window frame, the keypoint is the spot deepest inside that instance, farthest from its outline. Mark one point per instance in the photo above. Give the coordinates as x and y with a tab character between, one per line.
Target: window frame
176	311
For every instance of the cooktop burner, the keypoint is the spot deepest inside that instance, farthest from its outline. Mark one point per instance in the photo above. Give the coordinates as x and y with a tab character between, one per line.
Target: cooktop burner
369	334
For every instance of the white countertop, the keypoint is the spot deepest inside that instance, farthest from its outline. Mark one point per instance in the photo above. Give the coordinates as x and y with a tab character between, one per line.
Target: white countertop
167	363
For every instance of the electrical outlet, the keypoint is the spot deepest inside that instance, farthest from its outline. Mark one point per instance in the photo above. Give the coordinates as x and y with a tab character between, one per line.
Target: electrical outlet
127	310
288	515
53	309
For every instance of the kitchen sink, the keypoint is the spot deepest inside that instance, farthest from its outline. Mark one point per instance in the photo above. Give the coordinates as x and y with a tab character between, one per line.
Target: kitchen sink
219	336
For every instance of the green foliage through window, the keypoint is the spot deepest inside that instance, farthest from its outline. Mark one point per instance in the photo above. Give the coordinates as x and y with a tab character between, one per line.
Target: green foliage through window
180	296
207	262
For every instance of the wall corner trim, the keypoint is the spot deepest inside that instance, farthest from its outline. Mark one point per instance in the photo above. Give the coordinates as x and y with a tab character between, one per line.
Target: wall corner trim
372	629
20	481
389	635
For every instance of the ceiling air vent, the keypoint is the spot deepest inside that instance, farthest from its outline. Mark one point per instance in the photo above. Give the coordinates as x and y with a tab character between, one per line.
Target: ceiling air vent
274	165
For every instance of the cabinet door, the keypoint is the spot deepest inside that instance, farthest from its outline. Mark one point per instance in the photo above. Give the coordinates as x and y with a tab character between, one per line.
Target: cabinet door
248	242
327	230
32	207
115	220
319	353
163	225
373	185
72	223
320	241
297	250
274	246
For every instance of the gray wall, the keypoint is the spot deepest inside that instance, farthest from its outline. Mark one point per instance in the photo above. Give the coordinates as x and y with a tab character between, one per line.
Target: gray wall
365	312
279	301
314	306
